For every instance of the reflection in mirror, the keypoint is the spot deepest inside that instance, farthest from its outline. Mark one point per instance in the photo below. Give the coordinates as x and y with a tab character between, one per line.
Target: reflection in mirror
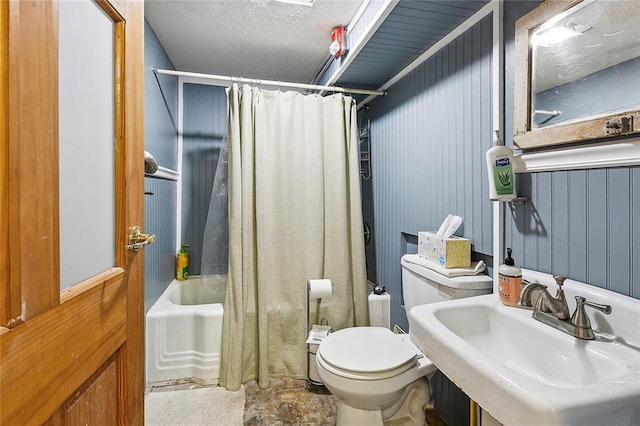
586	63
577	67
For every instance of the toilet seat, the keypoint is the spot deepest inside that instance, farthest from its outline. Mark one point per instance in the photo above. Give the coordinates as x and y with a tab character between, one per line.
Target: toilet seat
367	353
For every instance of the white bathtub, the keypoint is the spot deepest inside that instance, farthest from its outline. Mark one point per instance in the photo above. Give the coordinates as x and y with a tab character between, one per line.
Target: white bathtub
184	332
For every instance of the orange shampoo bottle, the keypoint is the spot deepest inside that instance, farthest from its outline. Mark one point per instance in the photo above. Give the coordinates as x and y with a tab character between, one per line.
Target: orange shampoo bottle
509	281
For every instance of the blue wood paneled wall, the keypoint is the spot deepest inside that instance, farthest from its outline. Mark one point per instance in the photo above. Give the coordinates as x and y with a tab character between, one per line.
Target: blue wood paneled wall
583	224
205	113
411	28
160	219
429	136
161	139
160	103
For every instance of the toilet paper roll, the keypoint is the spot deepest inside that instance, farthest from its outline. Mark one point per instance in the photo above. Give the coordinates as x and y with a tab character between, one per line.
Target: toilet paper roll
319	289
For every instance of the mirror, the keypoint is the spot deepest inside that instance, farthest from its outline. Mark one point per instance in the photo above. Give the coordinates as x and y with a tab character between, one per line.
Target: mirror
577	72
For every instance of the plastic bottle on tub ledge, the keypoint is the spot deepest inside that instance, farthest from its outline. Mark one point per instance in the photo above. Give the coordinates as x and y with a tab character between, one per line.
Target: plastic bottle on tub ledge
502	185
182	263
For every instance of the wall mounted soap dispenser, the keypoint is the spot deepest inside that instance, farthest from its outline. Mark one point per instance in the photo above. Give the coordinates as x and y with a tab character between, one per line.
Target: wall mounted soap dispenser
502	184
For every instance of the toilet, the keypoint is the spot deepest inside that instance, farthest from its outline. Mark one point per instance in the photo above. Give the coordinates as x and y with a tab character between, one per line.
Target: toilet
379	376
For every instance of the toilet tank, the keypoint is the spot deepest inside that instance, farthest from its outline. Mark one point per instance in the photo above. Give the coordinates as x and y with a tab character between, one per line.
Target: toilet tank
421	285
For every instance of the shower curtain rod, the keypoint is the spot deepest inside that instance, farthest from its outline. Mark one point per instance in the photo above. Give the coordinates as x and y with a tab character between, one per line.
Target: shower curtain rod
272	83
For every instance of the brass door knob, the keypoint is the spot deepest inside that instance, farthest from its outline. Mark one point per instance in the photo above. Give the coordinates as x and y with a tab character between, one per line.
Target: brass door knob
138	239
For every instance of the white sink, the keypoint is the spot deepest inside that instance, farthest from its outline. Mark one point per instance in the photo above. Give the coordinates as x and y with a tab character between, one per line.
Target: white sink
524	372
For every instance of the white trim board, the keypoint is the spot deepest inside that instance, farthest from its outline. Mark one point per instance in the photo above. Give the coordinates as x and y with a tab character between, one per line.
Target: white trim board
614	154
497	94
179	171
358	15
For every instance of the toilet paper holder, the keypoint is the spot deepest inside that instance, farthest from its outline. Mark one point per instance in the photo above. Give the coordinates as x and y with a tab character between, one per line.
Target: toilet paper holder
316	289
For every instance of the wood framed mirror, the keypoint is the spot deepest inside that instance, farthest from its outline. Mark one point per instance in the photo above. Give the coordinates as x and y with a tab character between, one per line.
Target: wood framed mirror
577	72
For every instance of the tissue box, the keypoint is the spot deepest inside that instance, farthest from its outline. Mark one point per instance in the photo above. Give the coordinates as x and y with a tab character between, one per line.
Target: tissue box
452	252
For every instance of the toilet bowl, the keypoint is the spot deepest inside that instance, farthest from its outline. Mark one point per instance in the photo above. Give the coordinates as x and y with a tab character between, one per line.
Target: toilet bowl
379	376
375	374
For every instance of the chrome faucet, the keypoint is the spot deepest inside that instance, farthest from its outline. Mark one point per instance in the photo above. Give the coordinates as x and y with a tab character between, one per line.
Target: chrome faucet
527	291
581	321
544	302
554	311
556	306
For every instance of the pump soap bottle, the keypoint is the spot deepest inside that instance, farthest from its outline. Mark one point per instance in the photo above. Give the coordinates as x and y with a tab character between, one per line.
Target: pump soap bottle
182	263
500	169
509	281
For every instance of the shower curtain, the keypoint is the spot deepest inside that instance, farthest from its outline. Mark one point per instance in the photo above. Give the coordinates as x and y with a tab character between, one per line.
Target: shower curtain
214	263
294	214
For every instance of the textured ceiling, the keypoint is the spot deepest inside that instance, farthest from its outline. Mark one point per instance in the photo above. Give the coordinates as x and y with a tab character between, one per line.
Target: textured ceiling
261	39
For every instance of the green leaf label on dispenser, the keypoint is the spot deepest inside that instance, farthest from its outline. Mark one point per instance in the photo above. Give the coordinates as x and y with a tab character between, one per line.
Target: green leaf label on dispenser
503	176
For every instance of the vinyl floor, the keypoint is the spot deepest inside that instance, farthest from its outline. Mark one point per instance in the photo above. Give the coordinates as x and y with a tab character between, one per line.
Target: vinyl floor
285	402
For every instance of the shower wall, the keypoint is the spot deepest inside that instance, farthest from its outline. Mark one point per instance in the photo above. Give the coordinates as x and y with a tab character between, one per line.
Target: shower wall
204	130
161	139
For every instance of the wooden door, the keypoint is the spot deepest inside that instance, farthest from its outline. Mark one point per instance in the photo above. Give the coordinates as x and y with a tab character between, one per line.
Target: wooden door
74	356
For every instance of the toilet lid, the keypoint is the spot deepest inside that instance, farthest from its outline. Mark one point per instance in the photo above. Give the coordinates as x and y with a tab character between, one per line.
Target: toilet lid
366	350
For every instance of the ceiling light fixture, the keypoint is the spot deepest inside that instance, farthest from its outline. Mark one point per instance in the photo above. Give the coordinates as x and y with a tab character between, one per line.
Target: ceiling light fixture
297	2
